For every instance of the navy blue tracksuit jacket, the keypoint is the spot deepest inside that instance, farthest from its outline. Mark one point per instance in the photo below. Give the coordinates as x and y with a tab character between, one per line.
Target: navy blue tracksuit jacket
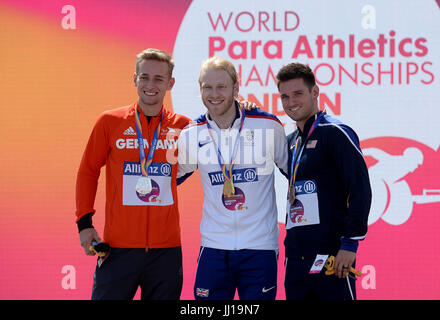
332	159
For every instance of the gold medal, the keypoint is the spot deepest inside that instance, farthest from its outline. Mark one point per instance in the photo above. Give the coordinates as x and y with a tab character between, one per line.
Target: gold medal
292	194
228	188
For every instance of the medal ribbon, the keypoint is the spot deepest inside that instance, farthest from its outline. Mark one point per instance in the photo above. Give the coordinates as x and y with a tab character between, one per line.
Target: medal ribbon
296	158
227	172
146	161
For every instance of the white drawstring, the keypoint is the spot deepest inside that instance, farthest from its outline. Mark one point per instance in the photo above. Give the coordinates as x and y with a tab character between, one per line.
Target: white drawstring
349	287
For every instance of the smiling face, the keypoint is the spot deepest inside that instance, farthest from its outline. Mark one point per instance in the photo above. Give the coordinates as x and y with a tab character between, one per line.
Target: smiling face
218	92
153	80
299	102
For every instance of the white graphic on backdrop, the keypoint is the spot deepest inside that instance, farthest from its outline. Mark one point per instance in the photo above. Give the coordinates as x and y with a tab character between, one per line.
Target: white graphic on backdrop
392	198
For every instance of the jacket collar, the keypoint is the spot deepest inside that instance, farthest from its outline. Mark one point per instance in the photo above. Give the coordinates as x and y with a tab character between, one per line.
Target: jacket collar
235	123
309	123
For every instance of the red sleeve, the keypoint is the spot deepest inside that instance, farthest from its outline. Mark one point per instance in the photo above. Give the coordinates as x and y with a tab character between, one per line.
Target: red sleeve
94	158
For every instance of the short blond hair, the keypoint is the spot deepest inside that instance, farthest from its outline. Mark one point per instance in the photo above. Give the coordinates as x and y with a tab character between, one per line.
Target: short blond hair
218	63
155	54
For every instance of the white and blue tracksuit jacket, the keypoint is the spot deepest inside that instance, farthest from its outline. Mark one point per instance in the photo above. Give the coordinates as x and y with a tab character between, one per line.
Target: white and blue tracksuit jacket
248	220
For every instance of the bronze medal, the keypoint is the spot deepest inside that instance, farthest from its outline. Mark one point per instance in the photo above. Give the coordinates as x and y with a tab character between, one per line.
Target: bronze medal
292	194
228	188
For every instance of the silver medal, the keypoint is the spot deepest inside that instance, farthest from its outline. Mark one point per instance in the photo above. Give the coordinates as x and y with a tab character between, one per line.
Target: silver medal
143	185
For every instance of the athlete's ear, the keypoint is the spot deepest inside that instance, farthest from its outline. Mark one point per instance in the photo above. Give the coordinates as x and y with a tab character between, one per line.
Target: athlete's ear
171	83
135	79
315	91
236	89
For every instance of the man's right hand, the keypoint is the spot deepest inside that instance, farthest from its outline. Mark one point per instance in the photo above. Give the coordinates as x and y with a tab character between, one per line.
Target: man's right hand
86	236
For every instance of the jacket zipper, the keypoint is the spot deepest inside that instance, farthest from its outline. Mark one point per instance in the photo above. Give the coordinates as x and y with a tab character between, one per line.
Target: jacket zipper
150	138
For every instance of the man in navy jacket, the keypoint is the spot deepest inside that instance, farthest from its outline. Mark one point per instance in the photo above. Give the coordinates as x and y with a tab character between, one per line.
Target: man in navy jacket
329	193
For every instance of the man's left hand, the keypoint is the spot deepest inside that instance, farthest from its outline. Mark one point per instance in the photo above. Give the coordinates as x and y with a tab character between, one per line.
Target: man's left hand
248	105
343	261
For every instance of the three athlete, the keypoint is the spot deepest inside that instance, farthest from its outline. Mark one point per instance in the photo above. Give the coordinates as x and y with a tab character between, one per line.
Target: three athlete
239	226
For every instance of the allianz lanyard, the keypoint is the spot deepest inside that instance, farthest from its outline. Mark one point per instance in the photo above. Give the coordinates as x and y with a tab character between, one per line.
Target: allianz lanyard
146	162
297	157
227	173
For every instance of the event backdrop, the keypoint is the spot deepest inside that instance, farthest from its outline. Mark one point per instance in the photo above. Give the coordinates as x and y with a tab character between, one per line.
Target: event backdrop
62	63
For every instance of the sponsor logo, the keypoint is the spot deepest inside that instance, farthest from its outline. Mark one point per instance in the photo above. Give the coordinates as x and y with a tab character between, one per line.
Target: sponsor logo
309	187
155	169
202	143
130	131
165	131
239	175
264	290
305	187
165	169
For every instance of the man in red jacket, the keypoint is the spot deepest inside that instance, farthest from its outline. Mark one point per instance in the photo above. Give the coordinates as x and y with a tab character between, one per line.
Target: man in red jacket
141	214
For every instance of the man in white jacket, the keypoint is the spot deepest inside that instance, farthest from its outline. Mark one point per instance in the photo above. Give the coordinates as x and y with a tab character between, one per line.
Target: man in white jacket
235	151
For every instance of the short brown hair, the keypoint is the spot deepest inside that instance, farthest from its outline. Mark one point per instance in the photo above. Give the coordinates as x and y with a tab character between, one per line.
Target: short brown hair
295	71
218	63
155	54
